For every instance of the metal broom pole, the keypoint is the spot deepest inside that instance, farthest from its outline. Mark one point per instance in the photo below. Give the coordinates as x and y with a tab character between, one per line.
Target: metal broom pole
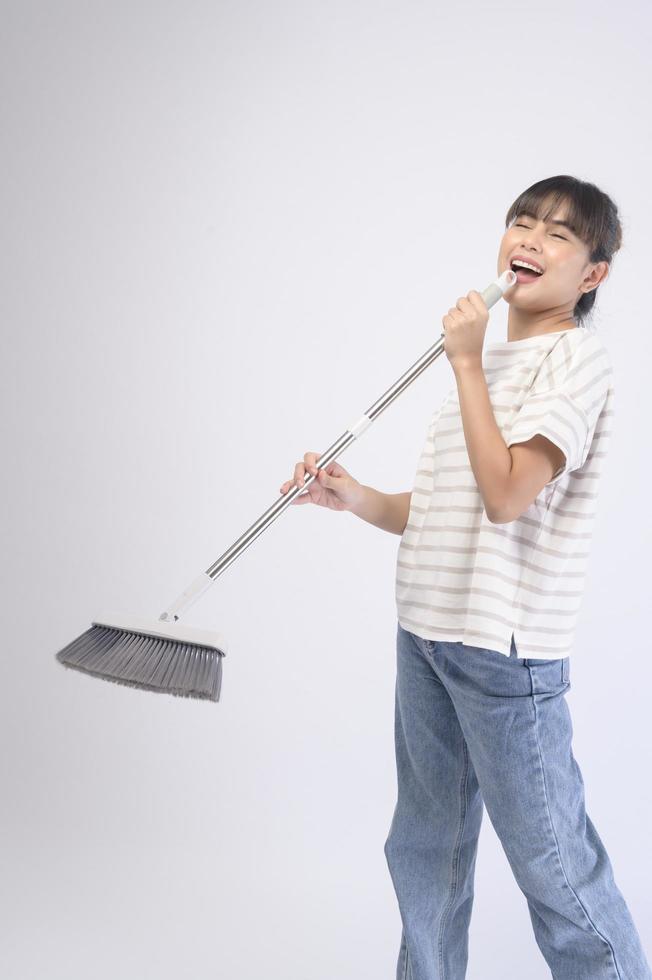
183	660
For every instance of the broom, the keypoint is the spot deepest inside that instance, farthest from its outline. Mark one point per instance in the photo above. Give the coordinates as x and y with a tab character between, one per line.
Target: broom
186	661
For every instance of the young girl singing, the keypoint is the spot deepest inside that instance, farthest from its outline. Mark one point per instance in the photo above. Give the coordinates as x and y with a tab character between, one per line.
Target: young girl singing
495	537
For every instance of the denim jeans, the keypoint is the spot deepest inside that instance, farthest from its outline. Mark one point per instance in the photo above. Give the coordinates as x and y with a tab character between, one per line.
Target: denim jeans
473	726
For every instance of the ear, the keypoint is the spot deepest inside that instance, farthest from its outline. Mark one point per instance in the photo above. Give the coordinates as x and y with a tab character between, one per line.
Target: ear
598	274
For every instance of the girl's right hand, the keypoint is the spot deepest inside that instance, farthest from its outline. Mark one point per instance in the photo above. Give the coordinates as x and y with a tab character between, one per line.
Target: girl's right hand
333	487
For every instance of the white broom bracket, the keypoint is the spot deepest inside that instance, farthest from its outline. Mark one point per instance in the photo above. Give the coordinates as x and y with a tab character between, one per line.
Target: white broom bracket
359	427
189	595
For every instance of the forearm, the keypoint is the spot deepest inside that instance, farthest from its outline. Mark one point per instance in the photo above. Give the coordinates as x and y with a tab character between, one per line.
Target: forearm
490	459
388	511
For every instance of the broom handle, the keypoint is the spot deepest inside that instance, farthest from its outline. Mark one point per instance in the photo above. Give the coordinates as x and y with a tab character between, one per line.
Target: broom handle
198	586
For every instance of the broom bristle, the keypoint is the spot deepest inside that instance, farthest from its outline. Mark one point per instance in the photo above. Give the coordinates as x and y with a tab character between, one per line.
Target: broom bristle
151	663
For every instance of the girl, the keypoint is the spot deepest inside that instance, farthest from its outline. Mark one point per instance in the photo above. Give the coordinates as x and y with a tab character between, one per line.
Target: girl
495	537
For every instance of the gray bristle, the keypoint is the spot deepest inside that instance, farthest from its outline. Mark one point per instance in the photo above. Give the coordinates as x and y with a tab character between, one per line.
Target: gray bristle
147	662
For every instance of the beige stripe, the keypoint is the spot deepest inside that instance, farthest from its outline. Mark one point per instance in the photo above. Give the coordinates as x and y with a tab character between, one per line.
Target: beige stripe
518	539
456	488
444	450
512	604
493	617
525	420
495	573
581	494
522	565
545	528
583	367
449	507
573	514
577	516
499	528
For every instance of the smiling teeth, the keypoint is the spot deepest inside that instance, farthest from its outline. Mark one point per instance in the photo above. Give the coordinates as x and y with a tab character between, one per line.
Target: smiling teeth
526	265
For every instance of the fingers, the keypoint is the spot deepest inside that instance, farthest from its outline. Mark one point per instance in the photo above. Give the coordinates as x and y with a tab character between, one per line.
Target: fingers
302	498
307	465
310	462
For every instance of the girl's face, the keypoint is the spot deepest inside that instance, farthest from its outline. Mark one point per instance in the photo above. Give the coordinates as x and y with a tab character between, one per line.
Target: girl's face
553	247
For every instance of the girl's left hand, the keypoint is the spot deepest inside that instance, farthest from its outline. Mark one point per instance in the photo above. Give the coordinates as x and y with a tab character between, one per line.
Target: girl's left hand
464	328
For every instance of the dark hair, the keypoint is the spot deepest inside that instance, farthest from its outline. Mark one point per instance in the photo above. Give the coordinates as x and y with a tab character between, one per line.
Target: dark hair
592	215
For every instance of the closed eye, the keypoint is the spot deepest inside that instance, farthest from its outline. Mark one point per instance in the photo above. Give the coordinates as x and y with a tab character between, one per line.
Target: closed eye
556	234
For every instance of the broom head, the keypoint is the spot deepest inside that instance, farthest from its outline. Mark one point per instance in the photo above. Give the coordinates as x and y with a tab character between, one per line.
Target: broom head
150	654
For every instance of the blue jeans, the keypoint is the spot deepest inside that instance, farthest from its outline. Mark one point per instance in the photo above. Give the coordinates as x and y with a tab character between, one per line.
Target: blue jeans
474	726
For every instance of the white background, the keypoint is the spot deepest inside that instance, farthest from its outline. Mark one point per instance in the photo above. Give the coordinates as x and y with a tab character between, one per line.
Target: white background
226	229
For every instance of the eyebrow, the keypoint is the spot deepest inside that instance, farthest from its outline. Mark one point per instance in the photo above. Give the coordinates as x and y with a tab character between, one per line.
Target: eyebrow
526	214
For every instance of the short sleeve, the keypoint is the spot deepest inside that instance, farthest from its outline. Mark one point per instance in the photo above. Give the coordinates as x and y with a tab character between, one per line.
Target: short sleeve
565	400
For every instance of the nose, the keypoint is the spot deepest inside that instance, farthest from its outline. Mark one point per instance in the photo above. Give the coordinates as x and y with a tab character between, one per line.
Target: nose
530	241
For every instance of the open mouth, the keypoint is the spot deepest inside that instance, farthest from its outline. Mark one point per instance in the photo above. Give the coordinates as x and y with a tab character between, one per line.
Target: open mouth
525	275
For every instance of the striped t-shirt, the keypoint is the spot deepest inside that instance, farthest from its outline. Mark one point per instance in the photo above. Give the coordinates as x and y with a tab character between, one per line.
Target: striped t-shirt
461	578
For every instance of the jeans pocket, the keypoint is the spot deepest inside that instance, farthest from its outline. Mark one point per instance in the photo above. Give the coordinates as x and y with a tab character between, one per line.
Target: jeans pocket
548	675
565	670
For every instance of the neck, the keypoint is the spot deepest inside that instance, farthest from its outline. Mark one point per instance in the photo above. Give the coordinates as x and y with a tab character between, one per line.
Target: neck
521	323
